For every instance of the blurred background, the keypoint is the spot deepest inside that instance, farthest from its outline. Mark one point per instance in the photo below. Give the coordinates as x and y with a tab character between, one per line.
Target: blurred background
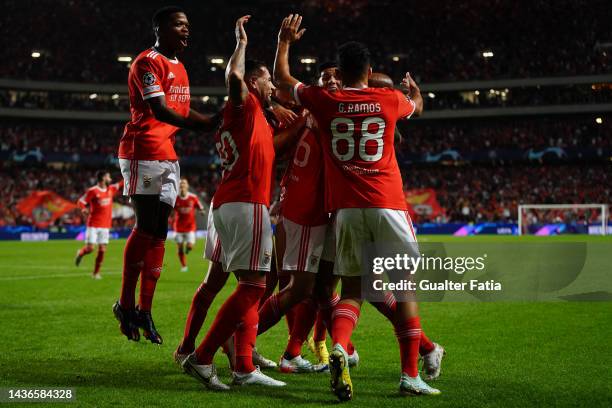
518	96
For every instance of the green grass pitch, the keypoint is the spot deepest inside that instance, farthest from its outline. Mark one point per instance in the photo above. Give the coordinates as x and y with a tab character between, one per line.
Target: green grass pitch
57	330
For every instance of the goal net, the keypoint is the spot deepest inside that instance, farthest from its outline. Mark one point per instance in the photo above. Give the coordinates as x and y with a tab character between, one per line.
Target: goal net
555	219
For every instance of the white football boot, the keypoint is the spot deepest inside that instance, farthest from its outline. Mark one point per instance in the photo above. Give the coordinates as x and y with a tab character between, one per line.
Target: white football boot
205	373
261	361
256	377
415	386
184	269
432	362
353	359
297	365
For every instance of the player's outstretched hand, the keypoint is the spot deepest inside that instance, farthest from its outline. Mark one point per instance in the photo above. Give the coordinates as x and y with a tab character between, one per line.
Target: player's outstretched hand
240	32
290	29
408	86
284	115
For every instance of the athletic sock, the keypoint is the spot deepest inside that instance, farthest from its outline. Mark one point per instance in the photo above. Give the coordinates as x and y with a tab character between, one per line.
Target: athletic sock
305	315
85	250
344	320
270	313
182	258
151	271
99	259
233	311
408	336
134	253
319	331
202	300
388	307
245	338
425	345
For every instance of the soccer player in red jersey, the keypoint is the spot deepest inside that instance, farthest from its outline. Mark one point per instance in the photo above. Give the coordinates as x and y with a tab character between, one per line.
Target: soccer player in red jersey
363	187
246	145
184	223
97	203
159	106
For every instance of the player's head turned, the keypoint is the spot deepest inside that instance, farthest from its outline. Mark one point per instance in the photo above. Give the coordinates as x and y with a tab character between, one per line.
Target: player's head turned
259	81
354	63
103	176
171	28
328	76
380	80
183	186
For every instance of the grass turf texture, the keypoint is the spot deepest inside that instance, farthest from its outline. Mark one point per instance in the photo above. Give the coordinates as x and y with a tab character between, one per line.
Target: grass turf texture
58	331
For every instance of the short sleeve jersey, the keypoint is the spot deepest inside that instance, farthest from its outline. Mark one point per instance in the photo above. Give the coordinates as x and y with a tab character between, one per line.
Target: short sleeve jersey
153	75
100	202
246	147
356	130
185	209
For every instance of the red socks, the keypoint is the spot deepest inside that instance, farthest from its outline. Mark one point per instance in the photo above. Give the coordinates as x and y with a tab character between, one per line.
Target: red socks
245	338
234	311
202	300
134	253
270	313
99	259
344	320
319	332
85	250
409	337
182	257
305	314
153	263
425	345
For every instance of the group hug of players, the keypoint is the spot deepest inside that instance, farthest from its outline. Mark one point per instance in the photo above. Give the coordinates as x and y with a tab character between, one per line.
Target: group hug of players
341	190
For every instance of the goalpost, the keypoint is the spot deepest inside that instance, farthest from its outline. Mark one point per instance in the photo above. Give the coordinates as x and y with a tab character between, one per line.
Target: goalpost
572	207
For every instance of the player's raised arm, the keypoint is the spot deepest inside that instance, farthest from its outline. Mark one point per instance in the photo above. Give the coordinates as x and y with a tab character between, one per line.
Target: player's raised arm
412	91
234	72
289	32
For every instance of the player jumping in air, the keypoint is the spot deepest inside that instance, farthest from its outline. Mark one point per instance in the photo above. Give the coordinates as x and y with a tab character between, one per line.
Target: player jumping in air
184	222
363	187
159	106
246	145
97	202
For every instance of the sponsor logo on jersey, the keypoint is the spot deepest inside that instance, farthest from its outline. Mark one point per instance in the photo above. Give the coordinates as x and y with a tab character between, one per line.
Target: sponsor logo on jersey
148	78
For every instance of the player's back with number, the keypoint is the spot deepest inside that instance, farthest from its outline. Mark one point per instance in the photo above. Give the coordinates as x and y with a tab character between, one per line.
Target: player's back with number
357	129
245	145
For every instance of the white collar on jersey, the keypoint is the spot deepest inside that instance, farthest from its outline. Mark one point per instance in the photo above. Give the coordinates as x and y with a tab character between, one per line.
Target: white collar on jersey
348	88
173	61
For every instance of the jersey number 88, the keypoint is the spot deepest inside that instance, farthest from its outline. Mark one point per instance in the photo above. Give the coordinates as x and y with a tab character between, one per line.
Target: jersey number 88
348	132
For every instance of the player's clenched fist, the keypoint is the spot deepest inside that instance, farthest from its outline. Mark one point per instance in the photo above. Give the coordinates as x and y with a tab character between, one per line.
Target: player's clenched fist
240	32
290	29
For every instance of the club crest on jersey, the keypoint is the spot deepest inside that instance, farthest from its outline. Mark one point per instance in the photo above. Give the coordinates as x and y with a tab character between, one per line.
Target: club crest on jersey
267	257
171	75
148	78
146	180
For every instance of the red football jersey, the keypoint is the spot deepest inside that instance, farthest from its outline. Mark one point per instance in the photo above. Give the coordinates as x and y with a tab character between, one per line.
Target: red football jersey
184	212
153	75
356	128
100	202
302	195
246	148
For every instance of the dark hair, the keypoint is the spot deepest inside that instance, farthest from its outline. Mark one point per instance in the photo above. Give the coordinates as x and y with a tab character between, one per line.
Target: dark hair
100	174
353	59
326	65
162	15
251	67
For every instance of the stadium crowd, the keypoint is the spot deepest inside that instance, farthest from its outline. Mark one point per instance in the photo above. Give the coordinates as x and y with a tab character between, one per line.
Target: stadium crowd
467	193
423	137
490	98
521	38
